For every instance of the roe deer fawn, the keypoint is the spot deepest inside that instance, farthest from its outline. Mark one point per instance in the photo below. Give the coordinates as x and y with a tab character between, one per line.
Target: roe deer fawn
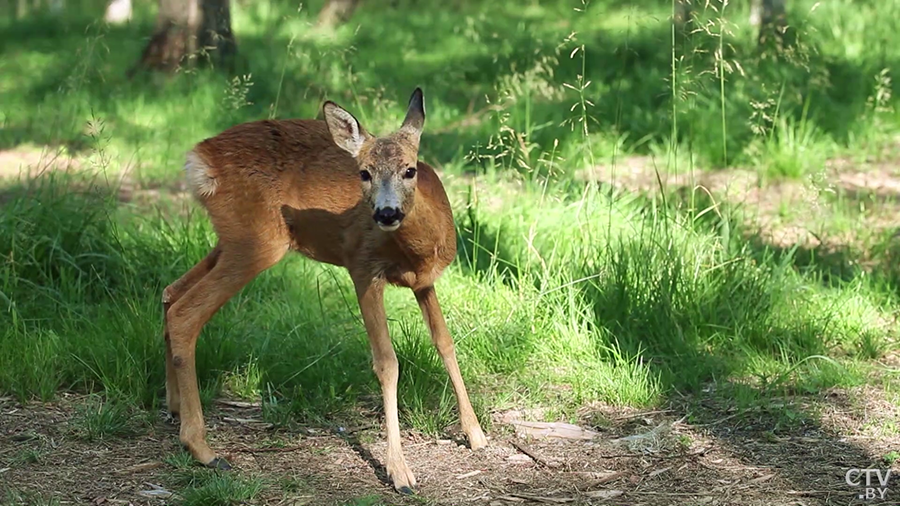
337	194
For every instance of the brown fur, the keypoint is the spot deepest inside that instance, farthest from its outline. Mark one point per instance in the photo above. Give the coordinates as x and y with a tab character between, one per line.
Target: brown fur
274	186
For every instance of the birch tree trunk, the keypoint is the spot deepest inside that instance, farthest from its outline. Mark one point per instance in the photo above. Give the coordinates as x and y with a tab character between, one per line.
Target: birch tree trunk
768	16
335	12
190	32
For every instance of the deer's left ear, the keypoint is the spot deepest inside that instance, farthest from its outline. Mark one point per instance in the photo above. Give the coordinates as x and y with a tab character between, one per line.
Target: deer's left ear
415	115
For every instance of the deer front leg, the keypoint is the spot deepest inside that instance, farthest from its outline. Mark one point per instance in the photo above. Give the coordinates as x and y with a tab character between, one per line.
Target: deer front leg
371	303
431	310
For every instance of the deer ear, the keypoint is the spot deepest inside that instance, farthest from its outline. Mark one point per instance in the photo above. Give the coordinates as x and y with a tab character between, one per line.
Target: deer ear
415	115
346	131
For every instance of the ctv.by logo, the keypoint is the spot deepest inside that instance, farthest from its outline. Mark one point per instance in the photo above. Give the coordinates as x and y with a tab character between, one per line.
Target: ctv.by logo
871	478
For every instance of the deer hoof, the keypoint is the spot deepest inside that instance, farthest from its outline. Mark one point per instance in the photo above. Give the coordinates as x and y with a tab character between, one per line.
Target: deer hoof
220	464
404	490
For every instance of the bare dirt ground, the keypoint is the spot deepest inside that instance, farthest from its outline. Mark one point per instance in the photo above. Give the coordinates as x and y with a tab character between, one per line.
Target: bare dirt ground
722	458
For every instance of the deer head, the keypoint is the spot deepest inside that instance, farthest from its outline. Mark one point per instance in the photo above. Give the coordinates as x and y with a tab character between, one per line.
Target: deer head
387	165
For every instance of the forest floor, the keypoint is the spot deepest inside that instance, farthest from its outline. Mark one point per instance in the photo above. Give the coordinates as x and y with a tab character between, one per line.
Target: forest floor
721	457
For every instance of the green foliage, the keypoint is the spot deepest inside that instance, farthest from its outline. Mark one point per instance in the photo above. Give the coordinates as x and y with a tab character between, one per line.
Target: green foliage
99	420
563	293
214	488
12	497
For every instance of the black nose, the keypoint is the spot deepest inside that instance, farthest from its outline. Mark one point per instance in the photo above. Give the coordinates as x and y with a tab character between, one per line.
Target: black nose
388	215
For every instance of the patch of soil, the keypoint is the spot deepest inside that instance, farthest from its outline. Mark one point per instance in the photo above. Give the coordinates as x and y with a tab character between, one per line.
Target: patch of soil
26	165
25	161
718	460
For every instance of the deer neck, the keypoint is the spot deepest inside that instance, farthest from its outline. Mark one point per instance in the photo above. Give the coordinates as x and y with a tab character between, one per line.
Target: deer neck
422	235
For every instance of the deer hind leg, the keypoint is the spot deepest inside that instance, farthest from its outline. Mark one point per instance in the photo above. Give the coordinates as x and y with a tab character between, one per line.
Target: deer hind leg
431	310
235	266
371	303
170	296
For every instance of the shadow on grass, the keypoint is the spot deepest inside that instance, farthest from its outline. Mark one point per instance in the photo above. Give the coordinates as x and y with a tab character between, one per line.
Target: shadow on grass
64	75
481	249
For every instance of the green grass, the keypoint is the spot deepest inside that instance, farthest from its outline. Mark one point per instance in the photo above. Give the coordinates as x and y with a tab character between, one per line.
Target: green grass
12	497
202	486
29	456
97	420
563	294
372	500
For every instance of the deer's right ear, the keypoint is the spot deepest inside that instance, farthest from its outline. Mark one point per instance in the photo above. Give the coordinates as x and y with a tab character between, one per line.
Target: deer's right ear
346	131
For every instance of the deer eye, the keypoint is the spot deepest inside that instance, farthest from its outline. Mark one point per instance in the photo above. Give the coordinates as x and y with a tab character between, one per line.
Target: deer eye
365	175
410	173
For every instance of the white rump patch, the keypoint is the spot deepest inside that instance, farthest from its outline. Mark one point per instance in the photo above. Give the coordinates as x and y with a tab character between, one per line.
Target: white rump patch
198	177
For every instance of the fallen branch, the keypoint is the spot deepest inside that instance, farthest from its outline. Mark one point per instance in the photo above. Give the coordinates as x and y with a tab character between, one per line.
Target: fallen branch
244	421
285	449
658	457
144	466
543	499
527	451
238	404
469	474
643	413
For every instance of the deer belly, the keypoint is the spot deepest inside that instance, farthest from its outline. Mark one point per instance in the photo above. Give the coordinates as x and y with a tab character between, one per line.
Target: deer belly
316	234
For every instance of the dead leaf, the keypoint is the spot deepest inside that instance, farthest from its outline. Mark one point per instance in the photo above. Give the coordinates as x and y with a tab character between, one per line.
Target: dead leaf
606	476
155	492
604	494
469	474
658	472
519	458
765	477
649	441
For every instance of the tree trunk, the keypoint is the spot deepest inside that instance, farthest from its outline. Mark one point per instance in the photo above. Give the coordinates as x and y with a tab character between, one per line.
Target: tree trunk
683	16
118	12
335	12
769	17
190	31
